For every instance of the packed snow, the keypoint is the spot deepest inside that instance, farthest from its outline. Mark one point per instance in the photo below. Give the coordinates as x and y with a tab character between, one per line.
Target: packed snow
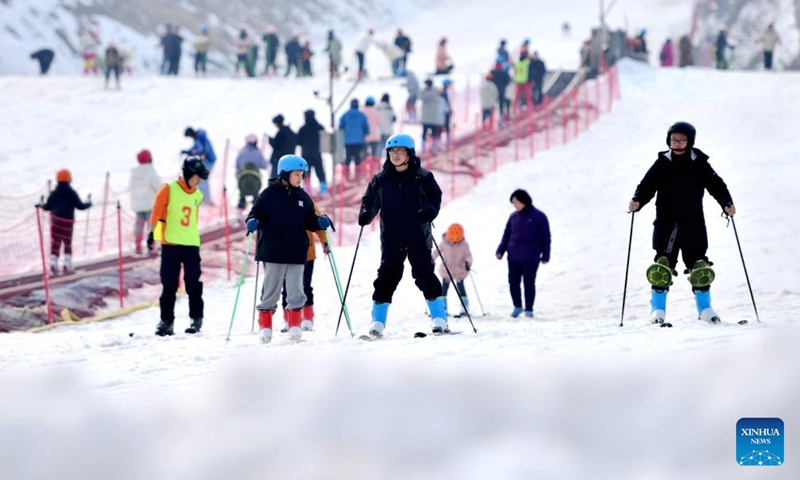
569	394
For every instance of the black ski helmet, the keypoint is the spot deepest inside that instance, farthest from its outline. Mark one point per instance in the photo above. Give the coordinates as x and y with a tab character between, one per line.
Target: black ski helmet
194	166
685	128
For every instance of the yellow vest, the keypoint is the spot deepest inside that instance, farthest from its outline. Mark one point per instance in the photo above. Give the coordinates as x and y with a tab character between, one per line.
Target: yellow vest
180	227
522	70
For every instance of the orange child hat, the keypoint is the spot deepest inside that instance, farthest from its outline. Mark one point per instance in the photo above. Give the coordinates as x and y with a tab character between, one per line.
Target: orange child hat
63	175
455	233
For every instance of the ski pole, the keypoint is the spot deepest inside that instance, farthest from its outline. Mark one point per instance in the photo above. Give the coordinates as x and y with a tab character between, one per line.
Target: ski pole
627	266
349	277
239	288
475	287
453	280
255	298
745	268
335	270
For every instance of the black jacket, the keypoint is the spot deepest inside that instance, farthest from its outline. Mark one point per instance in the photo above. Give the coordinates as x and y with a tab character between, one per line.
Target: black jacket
403	42
284	214
681	182
63	201
537	71
399	197
501	78
283	143
308	136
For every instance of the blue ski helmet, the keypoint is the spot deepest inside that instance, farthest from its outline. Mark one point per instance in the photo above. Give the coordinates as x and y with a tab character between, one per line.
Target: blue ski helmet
203	28
369	100
400	140
446	82
289	163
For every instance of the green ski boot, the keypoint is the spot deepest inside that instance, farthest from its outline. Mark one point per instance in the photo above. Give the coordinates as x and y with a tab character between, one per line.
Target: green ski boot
701	274
659	274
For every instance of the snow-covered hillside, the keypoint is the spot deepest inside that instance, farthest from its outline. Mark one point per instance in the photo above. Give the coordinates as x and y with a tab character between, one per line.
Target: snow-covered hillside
568	395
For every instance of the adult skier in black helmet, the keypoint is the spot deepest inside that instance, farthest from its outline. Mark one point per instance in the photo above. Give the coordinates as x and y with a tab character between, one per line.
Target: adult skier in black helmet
678	179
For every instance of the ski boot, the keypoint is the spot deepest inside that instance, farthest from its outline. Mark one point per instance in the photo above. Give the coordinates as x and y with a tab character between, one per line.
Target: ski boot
702	299
660	274
164	328
265	325
307	325
701	274
379	313
658	305
294	318
529	313
54	264
516	312
438	316
197	324
463	310
68	269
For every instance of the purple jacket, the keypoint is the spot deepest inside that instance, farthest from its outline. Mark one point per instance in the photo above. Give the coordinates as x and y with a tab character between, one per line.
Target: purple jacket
526	237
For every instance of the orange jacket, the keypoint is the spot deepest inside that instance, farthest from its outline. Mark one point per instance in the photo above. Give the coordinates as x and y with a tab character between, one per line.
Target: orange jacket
312	246
159	212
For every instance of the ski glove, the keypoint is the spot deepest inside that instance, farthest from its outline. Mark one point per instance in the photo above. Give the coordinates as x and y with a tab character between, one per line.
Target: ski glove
426	214
324	222
150	241
466	265
252	225
364	218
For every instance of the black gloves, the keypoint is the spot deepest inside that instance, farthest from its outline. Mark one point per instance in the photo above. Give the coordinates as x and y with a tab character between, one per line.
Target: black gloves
364	218
150	241
427	214
466	265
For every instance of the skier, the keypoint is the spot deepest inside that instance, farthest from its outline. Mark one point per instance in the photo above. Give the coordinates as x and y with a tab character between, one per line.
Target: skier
308	141
172	43
388	118
361	50
489	96
249	163
373	138
305	60
502	80
112	61
307	324
271	45
432	115
538	70
90	41
244	46
527	241
680	177
202	44
355	126
404	43
282	214
408	200
686	51
293	51
62	202
502	52
283	143
334	51
458	257
667	55
444	64
173	223
769	40
144	184
412	86
202	148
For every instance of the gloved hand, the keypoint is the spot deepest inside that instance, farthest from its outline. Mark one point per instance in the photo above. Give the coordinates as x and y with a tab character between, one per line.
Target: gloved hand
252	225
150	241
426	214
324	222
89	204
466	265
186	152
364	218
326	249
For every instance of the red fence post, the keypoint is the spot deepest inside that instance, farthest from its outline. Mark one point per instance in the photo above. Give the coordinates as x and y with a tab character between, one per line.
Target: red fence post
532	132
453	164
515	136
466	102
341	204
494	149
45	279
597	98
576	127
103	215
225	175
611	94
227	230
119	256
546	123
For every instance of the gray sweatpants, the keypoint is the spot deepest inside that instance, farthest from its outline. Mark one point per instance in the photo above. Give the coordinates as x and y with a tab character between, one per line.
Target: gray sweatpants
274	276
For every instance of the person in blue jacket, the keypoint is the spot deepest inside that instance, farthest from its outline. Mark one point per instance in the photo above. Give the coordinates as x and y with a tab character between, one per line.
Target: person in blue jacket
202	148
527	241
408	199
355	126
282	214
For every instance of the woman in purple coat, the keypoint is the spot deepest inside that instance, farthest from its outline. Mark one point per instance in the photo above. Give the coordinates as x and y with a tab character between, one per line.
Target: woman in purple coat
527	241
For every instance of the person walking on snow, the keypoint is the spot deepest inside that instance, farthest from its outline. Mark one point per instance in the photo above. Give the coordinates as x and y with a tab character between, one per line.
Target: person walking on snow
244	47
202	44
527	240
408	199
432	115
388	118
334	50
769	40
202	148
679	177
490	97
412	86
283	143
113	62
293	51
355	126
61	203
271	45
373	138
458	258
667	55
173	223
282	214
144	184
249	163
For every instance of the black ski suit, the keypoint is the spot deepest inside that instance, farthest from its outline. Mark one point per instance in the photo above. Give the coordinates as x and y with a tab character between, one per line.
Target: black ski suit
407	203
680	182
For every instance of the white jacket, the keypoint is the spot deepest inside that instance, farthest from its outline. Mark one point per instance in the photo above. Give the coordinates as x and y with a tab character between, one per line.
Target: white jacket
769	39
387	118
364	42
144	185
489	95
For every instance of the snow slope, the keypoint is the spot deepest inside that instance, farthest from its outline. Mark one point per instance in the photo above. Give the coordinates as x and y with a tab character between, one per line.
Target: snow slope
569	395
